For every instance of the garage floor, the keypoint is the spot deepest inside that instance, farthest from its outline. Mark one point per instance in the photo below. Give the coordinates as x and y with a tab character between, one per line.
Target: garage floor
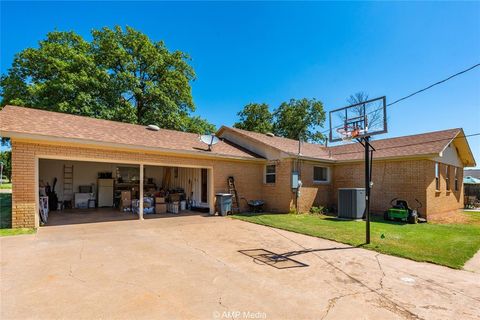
191	267
79	216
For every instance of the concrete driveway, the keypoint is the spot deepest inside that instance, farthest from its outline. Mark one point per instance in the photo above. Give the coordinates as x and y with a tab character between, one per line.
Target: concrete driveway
190	267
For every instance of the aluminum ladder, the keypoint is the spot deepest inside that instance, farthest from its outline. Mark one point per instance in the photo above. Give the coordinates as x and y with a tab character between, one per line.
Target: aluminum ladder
233	190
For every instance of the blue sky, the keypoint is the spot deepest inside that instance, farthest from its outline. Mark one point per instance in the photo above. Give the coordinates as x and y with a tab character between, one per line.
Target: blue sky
271	52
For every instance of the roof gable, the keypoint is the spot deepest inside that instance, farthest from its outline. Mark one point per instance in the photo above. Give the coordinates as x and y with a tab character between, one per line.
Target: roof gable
288	146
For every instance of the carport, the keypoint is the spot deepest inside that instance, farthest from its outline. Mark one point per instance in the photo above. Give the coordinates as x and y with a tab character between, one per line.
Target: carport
93	190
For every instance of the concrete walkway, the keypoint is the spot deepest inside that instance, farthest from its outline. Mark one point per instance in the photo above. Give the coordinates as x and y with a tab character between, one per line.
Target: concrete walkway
191	268
474	263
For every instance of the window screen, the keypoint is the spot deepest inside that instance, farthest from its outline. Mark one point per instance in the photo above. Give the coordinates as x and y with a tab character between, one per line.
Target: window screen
320	174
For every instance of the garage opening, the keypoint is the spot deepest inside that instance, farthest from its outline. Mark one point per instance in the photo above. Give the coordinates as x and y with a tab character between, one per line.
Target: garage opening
72	192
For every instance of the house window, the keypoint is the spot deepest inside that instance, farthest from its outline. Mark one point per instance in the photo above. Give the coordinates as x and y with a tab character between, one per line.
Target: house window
437	177
447	177
456	179
320	174
270	173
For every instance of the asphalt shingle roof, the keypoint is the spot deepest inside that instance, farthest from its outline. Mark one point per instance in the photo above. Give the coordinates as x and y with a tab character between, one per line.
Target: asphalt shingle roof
413	145
311	150
30	121
40	123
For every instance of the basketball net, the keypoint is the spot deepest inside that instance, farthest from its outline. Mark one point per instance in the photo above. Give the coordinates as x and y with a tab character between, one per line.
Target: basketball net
348	133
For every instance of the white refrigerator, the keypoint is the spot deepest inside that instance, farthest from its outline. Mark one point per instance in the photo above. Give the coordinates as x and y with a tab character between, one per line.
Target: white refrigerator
105	192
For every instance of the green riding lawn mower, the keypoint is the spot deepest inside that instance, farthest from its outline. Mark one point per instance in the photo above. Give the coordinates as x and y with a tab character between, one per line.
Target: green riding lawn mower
401	211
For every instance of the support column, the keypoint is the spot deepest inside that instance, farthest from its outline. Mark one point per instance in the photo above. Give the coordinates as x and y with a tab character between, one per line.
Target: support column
210	192
140	204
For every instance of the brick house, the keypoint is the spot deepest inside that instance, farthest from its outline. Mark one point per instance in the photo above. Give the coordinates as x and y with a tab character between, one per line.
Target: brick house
427	166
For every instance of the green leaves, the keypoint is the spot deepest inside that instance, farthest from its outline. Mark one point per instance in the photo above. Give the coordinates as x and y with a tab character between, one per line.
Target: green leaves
255	117
295	119
298	119
6	160
120	75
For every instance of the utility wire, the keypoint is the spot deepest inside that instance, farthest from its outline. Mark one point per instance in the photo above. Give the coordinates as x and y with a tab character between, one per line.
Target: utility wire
435	84
419	91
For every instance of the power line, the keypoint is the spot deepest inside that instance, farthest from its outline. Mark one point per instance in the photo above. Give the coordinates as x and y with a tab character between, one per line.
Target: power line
419	91
435	84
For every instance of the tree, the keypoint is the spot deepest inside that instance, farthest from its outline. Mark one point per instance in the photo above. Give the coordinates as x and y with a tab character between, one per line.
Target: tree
60	75
198	125
374	112
147	75
6	160
298	119
120	75
255	117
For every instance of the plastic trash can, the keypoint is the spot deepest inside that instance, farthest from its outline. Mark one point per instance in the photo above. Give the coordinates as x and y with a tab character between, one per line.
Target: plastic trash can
224	203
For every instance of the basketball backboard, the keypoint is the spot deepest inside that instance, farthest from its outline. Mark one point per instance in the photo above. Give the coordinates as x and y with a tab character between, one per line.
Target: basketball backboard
363	119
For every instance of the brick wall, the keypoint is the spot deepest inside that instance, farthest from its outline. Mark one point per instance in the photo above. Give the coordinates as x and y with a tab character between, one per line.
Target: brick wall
443	200
248	175
391	179
314	193
278	196
407	179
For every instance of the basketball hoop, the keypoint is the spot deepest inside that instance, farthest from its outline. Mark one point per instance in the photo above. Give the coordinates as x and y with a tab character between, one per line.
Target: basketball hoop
347	133
360	120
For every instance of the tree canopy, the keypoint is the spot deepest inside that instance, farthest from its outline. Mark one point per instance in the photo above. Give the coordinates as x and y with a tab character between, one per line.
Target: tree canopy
295	119
255	117
300	119
6	160
119	75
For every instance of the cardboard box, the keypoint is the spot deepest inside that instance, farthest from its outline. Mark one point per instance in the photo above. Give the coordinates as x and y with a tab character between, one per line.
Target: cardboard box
161	208
159	199
126	196
174	197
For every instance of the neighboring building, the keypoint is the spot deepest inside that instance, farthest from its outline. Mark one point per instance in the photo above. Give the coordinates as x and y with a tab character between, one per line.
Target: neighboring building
428	166
475	173
471	190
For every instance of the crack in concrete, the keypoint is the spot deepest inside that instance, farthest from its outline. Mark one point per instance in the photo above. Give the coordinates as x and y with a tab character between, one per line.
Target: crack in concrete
221	304
333	301
387	304
390	304
381	269
205	253
70	274
433	282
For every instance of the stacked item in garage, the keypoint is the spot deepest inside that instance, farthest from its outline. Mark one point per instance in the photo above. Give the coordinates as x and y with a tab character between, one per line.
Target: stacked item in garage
160	205
126	201
173	207
148	205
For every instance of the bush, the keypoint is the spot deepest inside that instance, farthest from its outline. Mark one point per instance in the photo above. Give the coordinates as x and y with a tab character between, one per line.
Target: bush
318	210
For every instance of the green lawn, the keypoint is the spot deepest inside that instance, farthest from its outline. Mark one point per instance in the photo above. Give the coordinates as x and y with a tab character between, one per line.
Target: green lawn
474	216
6	218
6	186
16	232
5	210
446	244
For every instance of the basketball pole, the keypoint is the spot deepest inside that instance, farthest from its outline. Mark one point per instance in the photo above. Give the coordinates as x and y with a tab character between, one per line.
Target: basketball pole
367	188
365	142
